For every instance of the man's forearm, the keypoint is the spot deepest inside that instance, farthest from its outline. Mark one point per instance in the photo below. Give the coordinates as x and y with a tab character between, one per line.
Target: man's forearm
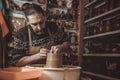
65	46
29	59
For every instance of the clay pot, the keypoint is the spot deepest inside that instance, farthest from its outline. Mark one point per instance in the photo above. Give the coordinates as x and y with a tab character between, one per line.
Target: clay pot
53	60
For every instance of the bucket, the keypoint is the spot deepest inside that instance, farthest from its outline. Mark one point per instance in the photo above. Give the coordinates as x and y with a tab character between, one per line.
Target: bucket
53	60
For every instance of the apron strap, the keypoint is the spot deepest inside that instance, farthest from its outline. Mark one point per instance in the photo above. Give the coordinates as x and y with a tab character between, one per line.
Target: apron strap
30	37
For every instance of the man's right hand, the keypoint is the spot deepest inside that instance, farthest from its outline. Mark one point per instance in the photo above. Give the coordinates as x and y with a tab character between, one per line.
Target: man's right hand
43	52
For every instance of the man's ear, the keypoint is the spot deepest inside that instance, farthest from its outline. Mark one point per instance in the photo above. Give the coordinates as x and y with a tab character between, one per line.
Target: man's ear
27	22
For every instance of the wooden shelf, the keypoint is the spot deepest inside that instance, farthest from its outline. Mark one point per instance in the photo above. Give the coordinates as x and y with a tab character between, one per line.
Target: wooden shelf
17	13
89	4
60	8
66	21
102	15
21	2
102	34
101	4
71	30
99	75
102	55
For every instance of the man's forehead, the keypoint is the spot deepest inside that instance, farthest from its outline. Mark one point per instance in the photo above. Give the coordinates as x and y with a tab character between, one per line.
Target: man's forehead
35	17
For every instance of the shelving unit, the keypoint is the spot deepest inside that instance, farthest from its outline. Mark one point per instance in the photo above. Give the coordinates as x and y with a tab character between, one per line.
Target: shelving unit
92	2
71	30
102	34
102	55
102	15
99	75
100	43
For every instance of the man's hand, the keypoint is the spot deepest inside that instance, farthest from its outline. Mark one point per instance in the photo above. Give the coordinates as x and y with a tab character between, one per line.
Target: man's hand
43	52
55	49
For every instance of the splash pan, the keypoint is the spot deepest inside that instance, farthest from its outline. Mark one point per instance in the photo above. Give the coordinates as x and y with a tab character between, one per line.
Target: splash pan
66	72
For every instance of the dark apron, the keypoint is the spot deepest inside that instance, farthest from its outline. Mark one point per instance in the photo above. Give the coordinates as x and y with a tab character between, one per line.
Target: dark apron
36	49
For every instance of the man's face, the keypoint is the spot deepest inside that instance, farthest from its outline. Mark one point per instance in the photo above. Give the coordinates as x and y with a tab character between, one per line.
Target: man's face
37	22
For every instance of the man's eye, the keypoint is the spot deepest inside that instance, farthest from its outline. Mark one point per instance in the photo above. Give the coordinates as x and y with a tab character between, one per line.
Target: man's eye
40	22
35	24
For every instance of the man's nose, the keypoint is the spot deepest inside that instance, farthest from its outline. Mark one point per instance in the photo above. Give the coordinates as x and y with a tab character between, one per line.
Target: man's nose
38	27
